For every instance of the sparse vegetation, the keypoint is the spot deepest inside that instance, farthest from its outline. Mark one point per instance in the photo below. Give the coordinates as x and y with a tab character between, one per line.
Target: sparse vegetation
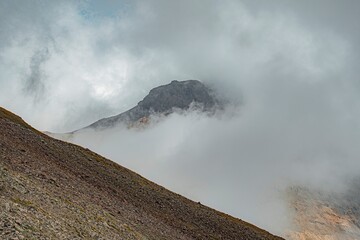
23	202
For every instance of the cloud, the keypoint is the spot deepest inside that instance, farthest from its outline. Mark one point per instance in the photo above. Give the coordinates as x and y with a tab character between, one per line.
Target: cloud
101	62
34	82
291	65
243	163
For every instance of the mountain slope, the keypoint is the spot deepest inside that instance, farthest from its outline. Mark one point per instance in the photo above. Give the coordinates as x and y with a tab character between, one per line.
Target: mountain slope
50	189
324	216
163	100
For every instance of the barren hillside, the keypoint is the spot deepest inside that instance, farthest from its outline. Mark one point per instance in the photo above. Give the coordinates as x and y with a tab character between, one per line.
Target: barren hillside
50	189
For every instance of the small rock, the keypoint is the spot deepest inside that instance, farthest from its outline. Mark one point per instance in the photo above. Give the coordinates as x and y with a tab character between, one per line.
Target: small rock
7	207
18	227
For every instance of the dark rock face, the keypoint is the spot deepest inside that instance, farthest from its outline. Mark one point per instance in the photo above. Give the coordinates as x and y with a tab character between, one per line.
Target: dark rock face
164	99
179	95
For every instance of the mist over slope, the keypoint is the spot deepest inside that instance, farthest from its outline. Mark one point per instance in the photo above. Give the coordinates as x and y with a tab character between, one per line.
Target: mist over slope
52	189
323	215
244	160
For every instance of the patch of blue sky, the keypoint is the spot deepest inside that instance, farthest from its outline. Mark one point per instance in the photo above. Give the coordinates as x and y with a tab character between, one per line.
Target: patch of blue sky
97	10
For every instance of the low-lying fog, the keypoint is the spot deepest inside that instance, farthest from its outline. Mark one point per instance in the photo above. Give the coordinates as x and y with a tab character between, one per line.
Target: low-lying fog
242	160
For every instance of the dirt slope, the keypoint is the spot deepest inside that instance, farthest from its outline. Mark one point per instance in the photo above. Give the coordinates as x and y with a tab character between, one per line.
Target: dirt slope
323	216
50	189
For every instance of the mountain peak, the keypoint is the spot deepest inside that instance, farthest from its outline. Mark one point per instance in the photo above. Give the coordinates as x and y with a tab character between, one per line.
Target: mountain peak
164	99
178	95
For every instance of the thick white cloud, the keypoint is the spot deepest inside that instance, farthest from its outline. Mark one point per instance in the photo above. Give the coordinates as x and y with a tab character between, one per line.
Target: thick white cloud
243	161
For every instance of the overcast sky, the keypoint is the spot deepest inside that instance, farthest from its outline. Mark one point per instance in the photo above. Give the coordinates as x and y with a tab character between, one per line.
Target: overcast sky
293	66
65	64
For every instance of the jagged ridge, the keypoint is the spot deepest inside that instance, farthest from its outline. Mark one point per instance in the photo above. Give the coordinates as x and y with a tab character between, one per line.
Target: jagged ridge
163	100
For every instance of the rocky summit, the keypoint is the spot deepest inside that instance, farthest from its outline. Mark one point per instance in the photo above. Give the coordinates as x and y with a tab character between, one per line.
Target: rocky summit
164	100
50	189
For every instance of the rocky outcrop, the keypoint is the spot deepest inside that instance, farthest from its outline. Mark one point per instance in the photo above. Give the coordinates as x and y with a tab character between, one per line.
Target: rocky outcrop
164	100
318	215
